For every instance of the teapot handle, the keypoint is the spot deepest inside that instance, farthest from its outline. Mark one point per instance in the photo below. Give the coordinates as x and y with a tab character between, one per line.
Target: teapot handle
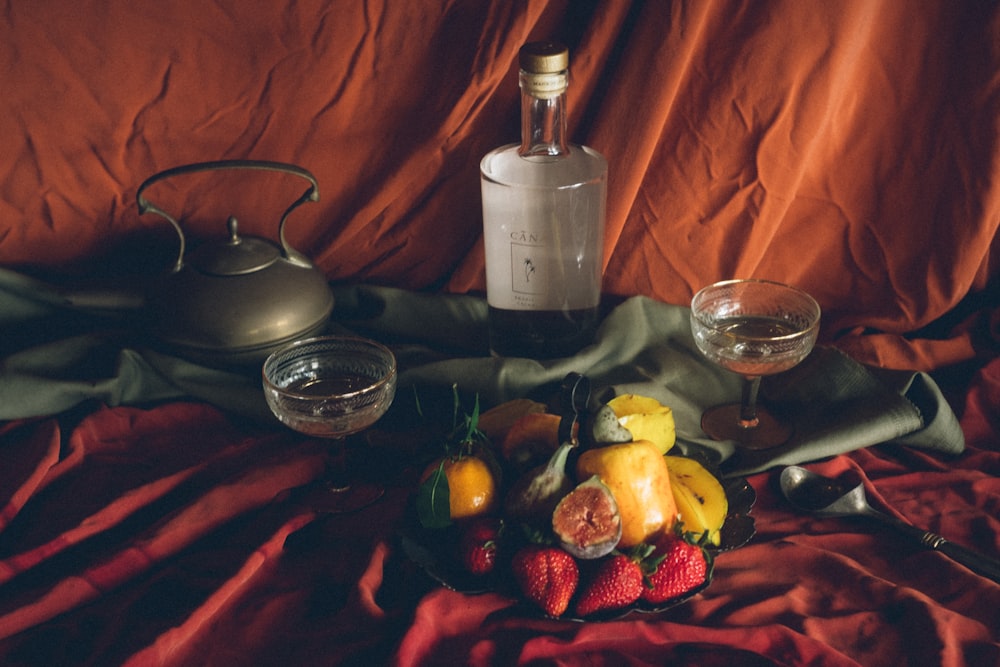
311	194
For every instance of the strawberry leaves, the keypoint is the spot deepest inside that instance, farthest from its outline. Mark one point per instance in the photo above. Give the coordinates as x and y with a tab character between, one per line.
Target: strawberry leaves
679	565
617	582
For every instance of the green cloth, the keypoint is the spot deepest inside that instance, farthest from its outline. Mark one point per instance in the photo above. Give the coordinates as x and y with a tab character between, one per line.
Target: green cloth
56	356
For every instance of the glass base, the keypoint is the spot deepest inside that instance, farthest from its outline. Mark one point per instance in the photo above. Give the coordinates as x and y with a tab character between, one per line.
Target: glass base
326	498
723	423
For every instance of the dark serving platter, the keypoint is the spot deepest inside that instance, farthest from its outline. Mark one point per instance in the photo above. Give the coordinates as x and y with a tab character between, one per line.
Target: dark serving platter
435	551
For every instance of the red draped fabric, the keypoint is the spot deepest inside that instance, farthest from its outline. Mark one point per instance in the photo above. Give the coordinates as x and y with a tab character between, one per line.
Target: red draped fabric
161	539
851	148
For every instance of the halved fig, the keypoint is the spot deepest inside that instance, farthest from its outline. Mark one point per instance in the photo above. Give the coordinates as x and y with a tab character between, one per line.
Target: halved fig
586	521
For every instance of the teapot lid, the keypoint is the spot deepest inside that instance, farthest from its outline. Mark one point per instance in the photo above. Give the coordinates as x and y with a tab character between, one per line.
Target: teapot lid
236	256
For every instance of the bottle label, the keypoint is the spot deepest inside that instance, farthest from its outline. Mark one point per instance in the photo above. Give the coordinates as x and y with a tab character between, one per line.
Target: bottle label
545	86
526	272
543	230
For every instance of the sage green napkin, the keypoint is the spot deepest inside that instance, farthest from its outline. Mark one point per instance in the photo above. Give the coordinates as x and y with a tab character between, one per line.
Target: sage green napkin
646	347
55	357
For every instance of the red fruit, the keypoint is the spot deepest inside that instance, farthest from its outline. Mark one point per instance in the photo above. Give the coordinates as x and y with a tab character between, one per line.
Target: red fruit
547	576
478	546
617	583
677	567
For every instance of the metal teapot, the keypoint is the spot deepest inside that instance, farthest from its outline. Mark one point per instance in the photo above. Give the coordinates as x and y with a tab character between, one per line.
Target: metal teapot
235	301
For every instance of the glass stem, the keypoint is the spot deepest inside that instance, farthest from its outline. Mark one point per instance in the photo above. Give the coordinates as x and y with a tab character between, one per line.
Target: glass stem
748	404
336	467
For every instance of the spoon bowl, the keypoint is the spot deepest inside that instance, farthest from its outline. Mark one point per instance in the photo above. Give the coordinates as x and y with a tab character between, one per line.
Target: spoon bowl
823	496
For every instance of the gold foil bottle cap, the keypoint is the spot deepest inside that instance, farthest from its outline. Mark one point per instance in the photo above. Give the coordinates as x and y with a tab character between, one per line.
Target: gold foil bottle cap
543	57
544	69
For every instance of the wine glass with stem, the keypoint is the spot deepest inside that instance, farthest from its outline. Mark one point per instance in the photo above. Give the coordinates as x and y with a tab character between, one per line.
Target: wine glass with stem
753	328
332	387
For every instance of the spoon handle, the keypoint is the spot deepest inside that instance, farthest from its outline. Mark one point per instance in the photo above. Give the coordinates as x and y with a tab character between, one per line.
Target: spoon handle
975	561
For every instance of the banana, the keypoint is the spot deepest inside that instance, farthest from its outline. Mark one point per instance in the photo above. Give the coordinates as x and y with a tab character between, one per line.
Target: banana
701	500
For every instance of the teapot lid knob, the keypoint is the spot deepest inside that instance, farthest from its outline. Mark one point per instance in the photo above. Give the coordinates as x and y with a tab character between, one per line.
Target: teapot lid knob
233	226
236	256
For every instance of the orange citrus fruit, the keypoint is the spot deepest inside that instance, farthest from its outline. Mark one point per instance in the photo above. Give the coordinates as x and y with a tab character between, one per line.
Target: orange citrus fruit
472	486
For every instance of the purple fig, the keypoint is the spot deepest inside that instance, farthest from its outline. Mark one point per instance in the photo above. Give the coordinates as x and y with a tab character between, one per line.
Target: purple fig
586	521
535	494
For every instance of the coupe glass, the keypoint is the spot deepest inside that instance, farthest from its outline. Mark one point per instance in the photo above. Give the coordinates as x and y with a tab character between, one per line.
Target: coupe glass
331	387
753	328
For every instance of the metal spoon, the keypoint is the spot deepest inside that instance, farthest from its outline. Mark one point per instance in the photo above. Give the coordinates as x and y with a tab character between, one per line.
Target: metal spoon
827	497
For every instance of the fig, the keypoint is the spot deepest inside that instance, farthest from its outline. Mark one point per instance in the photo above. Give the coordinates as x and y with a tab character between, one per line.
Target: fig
586	521
535	494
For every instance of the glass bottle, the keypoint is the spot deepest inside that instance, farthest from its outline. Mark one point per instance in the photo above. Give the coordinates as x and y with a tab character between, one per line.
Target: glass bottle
543	222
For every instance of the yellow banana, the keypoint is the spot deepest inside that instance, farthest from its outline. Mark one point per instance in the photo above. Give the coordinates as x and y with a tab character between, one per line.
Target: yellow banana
701	500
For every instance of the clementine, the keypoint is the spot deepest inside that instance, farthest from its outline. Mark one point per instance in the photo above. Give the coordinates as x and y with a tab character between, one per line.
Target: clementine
472	486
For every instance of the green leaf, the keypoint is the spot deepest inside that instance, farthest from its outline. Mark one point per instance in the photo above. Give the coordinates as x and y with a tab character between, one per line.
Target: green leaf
433	500
456	406
464	426
417	403
472	422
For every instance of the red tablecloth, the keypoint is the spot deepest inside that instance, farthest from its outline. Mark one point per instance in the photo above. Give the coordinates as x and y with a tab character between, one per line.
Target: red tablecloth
157	536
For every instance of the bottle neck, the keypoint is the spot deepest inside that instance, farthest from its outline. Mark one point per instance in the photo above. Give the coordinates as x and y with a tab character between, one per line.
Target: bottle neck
543	115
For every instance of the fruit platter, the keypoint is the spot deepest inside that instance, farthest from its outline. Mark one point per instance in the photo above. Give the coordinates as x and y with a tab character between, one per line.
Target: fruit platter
577	510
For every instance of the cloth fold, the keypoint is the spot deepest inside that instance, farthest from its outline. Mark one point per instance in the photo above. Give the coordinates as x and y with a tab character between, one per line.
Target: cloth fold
642	346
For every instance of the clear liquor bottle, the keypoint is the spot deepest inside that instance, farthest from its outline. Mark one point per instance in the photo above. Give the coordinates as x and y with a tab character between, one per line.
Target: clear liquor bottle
543	222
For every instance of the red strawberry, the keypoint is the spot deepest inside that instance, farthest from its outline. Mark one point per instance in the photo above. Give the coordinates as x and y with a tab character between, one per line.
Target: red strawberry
617	582
678	566
547	576
478	546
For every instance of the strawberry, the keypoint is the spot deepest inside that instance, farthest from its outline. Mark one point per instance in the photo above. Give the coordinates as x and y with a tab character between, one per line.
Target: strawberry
547	576
617	582
677	566
478	545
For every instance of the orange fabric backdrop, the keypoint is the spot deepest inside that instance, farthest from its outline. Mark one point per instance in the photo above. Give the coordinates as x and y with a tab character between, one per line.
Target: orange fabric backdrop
852	148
